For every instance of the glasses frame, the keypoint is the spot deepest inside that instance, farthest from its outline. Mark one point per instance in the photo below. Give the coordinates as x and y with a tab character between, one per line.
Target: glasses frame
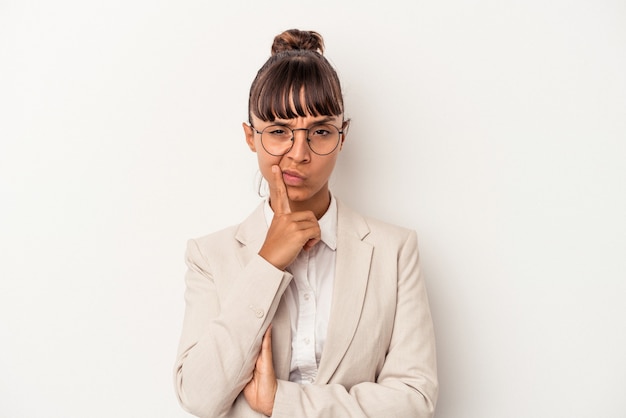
308	140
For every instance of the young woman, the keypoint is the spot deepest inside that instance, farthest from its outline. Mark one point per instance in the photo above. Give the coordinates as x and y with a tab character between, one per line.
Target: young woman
306	308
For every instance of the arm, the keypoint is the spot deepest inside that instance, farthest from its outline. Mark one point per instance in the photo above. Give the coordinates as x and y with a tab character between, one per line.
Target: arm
222	334
406	385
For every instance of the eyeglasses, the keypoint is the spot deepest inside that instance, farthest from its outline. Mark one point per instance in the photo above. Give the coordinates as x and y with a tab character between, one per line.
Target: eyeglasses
277	140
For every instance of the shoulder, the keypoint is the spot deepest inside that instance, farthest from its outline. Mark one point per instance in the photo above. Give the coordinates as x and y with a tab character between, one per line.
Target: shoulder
246	232
371	229
217	236
359	220
203	251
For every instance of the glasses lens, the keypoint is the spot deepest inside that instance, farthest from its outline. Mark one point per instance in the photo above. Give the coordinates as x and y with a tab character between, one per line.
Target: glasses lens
323	138
277	139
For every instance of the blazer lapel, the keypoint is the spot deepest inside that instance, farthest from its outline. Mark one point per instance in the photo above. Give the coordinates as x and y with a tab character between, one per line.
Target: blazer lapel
251	234
351	276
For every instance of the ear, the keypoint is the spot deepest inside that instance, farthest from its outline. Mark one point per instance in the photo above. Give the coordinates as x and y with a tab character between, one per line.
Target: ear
344	128
249	132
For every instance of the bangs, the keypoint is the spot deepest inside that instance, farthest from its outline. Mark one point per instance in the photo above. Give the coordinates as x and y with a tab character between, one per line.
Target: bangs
296	88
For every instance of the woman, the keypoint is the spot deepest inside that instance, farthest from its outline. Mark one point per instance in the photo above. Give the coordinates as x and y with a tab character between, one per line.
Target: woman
306	309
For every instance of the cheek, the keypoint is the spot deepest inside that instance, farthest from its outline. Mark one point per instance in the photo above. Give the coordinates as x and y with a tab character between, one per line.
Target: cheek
329	166
266	162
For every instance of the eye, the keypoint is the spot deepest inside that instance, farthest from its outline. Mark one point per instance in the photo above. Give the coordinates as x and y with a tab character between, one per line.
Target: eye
321	131
278	131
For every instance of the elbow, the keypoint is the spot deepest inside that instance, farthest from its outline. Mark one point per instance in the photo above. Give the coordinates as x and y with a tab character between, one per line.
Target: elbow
429	399
194	399
186	399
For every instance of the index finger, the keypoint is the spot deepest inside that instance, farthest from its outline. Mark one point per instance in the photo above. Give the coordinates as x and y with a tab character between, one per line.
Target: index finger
278	192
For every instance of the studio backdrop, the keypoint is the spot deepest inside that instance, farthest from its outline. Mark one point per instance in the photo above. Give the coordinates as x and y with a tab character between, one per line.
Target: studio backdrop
496	130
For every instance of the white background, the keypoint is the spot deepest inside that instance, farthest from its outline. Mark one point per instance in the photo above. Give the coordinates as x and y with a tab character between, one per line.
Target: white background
496	129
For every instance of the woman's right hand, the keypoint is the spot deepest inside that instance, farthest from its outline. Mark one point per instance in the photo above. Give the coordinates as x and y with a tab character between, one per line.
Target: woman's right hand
289	232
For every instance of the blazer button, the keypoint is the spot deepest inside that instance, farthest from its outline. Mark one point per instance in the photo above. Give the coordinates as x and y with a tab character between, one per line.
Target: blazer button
259	313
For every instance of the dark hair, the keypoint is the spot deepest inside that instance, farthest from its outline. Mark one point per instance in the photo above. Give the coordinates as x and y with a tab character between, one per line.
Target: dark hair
296	66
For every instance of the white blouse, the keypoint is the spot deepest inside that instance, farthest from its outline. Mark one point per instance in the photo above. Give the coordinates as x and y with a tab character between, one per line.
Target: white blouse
309	297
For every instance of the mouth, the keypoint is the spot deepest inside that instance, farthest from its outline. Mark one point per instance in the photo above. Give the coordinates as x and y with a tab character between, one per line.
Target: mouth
292	178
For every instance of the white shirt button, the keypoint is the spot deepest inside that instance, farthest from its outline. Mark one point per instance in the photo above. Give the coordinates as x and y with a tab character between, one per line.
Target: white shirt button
307	340
307	296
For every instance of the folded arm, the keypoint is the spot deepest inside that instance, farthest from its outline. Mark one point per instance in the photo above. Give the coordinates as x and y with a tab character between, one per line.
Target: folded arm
222	331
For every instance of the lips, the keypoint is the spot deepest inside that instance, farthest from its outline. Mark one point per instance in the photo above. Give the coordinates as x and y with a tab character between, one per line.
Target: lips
292	178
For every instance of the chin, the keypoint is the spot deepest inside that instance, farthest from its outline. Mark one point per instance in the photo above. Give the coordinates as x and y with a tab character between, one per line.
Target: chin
296	194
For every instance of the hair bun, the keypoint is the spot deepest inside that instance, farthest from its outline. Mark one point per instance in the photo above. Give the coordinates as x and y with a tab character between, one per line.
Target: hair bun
294	39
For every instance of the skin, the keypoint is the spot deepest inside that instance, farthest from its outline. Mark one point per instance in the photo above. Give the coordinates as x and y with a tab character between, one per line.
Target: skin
298	183
261	389
307	188
299	196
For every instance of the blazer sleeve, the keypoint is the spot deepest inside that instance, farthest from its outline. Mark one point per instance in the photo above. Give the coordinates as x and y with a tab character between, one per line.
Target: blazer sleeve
222	333
407	383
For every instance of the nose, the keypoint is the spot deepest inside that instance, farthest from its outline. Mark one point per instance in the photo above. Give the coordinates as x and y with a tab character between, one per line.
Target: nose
300	150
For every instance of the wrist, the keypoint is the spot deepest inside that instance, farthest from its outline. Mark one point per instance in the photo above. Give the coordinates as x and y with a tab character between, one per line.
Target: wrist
269	259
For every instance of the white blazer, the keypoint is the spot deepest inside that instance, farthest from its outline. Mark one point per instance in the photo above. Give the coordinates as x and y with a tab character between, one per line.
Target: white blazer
379	356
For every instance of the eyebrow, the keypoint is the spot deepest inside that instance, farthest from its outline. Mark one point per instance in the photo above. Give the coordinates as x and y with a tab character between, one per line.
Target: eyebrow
286	122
